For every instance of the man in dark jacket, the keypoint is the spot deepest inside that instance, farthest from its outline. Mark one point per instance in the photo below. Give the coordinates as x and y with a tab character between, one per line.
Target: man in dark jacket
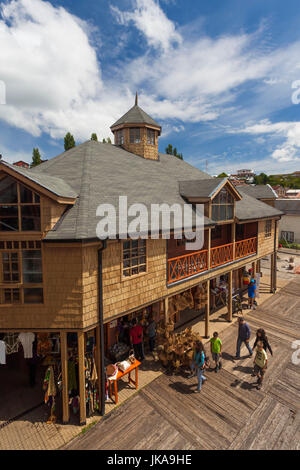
243	337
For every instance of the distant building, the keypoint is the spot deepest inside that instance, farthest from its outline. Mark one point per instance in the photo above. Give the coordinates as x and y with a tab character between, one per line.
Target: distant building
244	175
21	164
289	225
293	193
279	190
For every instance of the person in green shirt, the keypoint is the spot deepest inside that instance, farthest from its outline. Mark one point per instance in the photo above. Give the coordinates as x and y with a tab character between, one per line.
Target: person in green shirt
260	363
216	350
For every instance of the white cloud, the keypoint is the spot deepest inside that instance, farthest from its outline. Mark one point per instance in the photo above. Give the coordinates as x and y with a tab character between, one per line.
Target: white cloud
289	132
150	19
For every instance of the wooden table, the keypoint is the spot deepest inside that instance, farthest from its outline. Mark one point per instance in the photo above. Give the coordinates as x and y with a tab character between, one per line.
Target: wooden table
114	390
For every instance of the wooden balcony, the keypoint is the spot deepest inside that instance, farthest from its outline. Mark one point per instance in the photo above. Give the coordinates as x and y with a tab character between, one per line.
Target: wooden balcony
185	266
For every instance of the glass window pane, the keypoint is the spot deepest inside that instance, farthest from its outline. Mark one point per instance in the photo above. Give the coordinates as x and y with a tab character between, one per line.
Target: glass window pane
32	267
33	296
25	194
31	218
230	212
222	212
8	191
9	219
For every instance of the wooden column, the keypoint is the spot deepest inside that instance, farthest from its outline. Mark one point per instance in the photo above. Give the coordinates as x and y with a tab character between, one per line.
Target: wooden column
254	270
233	239
229	315
166	309
271	272
208	248
275	272
207	310
98	363
81	374
64	373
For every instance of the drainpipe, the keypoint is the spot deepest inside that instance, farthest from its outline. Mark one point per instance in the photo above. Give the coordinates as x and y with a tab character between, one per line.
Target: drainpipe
101	327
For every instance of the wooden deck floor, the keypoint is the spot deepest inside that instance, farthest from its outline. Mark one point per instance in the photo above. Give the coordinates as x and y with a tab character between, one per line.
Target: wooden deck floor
229	413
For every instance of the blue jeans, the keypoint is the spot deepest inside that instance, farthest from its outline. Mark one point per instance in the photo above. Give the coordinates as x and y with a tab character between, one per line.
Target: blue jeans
200	377
238	347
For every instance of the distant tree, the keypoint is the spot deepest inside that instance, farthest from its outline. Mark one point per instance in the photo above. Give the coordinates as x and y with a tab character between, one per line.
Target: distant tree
107	141
261	179
69	141
223	175
94	137
171	151
36	157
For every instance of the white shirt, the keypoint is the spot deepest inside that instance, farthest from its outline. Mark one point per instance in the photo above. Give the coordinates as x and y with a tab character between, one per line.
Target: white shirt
2	352
27	340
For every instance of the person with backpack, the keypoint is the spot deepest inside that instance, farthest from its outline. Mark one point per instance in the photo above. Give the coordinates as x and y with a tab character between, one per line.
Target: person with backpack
216	350
260	364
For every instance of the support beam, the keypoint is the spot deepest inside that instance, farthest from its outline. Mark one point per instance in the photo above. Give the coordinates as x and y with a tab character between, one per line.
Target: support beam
275	272
166	300
207	309
98	363
81	377
229	315
271	272
64	373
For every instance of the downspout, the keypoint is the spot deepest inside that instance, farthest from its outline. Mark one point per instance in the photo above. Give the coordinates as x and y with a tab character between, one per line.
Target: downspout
101	327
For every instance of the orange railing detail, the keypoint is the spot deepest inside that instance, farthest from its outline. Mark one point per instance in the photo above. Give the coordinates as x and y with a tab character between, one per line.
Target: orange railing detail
245	248
187	265
221	255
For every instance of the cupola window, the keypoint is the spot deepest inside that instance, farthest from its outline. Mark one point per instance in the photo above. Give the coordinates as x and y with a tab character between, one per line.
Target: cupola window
135	135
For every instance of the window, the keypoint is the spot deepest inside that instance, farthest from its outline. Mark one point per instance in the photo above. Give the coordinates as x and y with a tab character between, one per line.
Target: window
19	207
150	137
223	206
135	135
21	274
288	236
120	137
216	233
268	228
134	257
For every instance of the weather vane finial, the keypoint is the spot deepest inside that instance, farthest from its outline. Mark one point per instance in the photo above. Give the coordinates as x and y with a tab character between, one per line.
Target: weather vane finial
136	98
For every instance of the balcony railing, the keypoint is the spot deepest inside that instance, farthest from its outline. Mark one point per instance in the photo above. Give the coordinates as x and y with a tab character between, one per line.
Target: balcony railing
185	266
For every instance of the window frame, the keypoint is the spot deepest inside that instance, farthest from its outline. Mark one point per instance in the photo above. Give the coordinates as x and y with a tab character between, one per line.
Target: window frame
216	202
268	228
120	137
287	237
20	246
35	202
150	136
133	132
138	265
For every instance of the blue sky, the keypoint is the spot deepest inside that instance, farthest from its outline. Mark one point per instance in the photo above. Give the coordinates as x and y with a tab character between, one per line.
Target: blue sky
217	75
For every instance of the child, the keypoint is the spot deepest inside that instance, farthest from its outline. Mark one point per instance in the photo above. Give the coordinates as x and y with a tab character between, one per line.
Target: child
251	294
260	364
216	350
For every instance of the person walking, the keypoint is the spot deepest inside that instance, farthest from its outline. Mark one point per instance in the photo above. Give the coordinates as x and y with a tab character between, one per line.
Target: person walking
261	336
151	331
136	340
216	350
243	337
260	364
198	360
251	294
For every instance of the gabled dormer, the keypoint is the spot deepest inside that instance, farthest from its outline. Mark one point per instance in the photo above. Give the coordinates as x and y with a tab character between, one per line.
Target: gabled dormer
217	194
137	132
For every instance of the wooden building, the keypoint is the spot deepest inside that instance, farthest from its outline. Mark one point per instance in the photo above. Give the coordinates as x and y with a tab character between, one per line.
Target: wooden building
58	277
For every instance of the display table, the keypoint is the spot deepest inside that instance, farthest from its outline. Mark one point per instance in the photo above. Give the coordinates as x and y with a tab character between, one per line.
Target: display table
113	389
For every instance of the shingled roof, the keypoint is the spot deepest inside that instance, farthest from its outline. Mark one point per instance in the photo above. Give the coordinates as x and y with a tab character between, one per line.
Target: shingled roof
259	191
136	115
100	173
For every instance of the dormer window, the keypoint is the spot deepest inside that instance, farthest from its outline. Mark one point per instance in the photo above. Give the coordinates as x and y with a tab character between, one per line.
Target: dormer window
120	137
135	135
223	206
150	137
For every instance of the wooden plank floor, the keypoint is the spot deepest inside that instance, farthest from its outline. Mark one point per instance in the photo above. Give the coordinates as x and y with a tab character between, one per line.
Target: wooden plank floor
229	413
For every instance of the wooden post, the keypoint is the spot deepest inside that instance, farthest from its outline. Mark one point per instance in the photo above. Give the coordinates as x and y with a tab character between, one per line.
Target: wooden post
166	310
208	248
275	272
98	363
271	272
254	270
233	239
207	309
64	374
81	374
229	316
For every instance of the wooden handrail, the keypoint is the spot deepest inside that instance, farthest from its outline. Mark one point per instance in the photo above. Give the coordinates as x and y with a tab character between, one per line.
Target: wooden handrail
185	266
